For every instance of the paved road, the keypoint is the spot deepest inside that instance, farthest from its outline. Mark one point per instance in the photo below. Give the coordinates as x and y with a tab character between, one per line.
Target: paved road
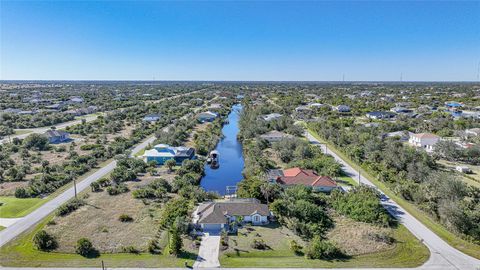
208	252
443	256
36	216
87	118
42	130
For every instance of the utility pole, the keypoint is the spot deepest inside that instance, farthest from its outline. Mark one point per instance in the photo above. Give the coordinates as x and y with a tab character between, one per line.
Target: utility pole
75	187
103	265
72	175
359	177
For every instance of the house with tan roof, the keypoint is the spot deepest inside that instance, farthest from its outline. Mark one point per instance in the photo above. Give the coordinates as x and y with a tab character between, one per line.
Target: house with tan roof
275	136
426	141
220	215
298	176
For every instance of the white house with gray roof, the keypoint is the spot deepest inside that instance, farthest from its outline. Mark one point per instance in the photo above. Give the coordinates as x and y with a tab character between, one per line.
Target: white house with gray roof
219	215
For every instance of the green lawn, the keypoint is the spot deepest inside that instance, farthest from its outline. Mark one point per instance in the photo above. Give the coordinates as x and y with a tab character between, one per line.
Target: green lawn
454	240
408	252
346	181
1	228
20	252
14	207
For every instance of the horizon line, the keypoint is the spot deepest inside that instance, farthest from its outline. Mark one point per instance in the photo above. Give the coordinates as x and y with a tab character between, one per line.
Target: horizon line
298	81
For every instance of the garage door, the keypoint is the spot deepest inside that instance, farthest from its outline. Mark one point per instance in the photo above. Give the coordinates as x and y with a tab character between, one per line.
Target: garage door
212	227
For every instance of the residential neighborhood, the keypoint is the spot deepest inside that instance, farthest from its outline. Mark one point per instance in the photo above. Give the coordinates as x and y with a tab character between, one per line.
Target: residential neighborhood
240	135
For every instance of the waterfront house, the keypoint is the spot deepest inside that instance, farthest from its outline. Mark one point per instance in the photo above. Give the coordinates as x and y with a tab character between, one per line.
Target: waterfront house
298	176
426	141
215	216
275	136
163	152
207	116
57	136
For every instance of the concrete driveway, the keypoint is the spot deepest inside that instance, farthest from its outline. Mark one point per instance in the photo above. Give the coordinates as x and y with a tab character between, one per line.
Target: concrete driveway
209	250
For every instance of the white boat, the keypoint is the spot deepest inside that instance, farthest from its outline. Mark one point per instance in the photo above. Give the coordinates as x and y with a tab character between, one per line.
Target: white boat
214	159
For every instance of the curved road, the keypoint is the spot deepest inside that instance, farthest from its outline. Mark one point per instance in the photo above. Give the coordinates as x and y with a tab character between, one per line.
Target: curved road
442	256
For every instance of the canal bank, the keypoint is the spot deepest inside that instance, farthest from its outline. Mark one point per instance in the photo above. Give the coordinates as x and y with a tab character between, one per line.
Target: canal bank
231	162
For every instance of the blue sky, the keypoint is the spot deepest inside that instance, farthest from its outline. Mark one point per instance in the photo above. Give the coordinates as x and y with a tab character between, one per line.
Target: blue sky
240	40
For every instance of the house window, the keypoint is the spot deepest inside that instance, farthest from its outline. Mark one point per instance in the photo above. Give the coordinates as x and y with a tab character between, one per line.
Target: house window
256	219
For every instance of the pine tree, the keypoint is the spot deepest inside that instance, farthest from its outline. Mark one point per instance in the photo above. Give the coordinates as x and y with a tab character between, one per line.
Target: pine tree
175	243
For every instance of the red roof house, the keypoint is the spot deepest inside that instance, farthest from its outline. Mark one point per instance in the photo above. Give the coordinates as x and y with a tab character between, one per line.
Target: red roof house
298	176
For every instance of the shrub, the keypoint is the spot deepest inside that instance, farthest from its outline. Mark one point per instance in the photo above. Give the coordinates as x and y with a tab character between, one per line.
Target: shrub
320	249
175	243
258	243
117	189
84	247
295	247
21	193
51	223
69	207
95	186
44	241
87	147
361	204
154	247
125	218
381	237
130	249
104	182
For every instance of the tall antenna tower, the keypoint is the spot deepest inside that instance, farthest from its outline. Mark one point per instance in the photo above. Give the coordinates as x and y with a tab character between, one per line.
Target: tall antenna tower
401	76
343	77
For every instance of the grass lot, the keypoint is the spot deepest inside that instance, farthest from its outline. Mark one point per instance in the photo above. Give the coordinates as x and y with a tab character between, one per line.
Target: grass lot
13	207
346	181
22	131
455	241
1	228
407	252
20	252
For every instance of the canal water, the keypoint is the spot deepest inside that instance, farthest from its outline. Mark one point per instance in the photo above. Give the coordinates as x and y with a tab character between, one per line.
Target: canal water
230	158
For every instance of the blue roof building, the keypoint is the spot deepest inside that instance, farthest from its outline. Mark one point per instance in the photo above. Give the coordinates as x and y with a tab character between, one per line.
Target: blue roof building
163	152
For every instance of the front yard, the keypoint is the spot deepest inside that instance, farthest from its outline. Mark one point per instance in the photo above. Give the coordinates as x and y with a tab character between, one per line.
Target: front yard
12	207
406	251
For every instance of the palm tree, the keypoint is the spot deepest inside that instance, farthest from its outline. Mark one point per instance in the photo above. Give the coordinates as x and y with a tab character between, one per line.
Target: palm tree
268	189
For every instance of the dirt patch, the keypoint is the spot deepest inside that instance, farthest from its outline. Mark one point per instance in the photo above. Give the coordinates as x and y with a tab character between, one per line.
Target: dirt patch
356	238
197	128
8	188
99	222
